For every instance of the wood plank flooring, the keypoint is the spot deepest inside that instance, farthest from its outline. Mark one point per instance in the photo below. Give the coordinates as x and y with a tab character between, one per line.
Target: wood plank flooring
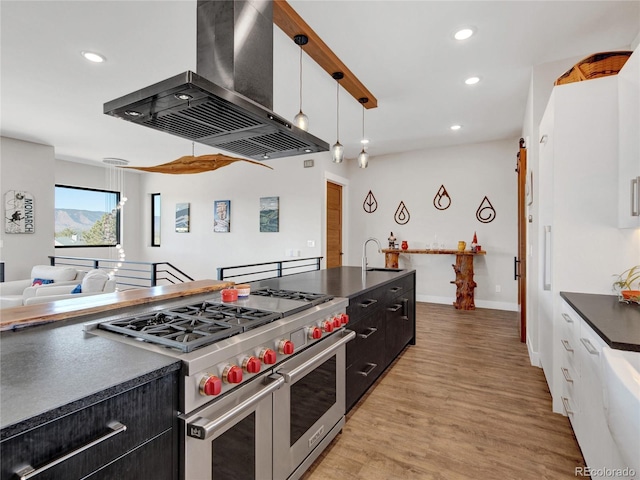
463	403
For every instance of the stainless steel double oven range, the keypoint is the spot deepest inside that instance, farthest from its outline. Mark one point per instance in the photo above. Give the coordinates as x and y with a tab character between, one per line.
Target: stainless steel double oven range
262	383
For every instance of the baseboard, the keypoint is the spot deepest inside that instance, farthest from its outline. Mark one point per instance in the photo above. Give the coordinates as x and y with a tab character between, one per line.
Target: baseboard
534	357
511	307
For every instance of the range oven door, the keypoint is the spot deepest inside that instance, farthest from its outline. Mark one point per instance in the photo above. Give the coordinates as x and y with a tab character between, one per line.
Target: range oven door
308	411
231	439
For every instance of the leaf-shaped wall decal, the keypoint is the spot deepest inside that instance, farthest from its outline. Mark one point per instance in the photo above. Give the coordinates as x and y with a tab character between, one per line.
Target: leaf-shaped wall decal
370	203
486	213
402	214
442	200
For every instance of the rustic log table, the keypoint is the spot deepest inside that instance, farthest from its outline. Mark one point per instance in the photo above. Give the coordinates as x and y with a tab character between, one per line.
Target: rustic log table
463	267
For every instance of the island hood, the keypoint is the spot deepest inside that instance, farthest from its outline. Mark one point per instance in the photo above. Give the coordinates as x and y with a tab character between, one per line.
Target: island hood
228	102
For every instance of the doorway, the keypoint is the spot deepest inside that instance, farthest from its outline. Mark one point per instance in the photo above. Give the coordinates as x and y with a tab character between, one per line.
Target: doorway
334	225
520	262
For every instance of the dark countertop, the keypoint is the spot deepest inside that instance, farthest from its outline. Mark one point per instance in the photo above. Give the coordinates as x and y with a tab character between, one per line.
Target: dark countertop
52	370
616	322
339	282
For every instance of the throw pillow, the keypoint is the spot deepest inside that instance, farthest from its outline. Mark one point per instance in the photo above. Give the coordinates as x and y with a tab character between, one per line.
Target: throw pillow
78	289
41	281
94	281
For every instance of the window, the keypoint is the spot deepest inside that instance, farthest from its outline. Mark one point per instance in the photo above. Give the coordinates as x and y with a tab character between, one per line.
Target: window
155	219
85	217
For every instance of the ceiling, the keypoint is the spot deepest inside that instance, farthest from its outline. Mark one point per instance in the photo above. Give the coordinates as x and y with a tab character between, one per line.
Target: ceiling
403	51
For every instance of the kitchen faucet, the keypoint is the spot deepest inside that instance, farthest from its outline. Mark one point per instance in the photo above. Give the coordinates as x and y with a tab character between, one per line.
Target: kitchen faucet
364	251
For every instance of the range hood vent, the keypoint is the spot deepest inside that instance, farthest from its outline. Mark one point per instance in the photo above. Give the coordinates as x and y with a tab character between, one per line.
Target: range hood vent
212	110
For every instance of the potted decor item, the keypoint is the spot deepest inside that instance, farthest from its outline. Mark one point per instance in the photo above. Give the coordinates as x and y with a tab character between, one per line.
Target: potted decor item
627	284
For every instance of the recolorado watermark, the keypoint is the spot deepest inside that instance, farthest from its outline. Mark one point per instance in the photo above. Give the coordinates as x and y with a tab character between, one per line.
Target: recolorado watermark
604	472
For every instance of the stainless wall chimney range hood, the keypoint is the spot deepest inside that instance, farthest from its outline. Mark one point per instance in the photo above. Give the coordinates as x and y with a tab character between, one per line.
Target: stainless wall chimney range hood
228	102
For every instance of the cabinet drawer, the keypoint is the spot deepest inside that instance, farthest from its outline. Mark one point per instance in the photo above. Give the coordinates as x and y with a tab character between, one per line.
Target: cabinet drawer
369	343
366	303
146	411
400	287
570	384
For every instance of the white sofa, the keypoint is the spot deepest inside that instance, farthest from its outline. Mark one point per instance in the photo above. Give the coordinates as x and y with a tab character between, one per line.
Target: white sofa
95	282
15	292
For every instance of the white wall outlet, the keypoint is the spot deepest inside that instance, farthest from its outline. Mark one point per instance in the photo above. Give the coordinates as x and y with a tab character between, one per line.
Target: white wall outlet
498	288
311	243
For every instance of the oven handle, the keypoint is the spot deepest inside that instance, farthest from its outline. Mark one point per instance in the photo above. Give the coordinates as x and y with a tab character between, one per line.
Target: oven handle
291	376
202	428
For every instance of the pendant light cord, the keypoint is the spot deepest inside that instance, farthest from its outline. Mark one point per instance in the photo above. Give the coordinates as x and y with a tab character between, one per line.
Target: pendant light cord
300	77
338	111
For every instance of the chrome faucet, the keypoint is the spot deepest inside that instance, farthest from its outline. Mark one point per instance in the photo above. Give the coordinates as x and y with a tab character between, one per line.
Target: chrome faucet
364	251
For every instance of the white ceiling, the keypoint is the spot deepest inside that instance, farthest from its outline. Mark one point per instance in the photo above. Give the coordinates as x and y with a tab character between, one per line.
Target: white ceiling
403	51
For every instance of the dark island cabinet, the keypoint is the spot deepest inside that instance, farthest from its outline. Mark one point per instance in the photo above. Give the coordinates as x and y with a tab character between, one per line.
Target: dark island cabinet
130	435
384	321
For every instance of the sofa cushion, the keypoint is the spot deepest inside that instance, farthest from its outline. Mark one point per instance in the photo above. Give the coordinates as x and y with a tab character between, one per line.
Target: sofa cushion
94	281
57	274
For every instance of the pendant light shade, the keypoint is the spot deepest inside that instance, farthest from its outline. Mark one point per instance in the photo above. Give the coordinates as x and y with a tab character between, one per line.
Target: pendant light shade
337	151
363	157
301	120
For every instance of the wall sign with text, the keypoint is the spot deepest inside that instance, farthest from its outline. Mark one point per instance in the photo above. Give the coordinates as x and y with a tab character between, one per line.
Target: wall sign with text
19	212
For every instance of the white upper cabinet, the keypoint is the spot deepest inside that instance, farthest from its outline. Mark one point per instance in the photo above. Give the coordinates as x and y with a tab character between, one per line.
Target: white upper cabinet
629	143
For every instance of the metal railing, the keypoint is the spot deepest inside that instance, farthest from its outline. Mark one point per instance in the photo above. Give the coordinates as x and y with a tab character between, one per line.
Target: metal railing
128	274
260	271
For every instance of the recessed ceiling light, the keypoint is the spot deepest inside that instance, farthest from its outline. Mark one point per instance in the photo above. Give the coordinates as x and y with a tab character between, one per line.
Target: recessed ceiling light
463	34
472	80
93	57
455	127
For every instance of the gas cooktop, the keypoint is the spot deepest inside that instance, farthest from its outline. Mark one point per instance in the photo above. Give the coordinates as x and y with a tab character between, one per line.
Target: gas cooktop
312	298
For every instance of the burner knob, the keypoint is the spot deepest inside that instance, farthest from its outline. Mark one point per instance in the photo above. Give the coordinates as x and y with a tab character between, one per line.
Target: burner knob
327	326
286	347
232	374
344	318
268	356
251	365
210	385
337	322
315	333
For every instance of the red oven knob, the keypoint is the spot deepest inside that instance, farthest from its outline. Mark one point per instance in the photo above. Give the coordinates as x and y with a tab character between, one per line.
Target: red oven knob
251	365
337	322
210	385
327	326
232	374
315	333
286	347
344	318
268	356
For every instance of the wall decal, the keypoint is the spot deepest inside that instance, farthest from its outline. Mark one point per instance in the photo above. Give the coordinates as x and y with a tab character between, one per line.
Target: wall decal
182	218
269	214
222	216
19	212
402	214
370	203
486	213
442	200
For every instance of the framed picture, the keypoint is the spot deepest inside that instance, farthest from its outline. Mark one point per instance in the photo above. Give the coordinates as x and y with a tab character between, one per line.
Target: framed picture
19	212
269	214
222	216
182	217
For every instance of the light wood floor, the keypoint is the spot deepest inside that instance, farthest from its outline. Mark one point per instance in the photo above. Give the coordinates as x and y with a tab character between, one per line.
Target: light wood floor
464	403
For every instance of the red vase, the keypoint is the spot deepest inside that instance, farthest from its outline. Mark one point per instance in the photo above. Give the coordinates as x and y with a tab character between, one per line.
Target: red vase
404	245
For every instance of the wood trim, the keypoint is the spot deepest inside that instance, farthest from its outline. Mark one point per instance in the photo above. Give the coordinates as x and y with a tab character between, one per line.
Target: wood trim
292	24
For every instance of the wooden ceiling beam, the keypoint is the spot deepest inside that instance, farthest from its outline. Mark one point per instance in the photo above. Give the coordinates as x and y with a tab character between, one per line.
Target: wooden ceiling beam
292	24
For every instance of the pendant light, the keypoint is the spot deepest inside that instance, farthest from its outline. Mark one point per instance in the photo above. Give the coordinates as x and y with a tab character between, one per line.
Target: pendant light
301	120
363	157
337	151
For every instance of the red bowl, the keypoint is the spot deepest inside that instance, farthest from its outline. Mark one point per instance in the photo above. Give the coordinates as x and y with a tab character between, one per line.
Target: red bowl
229	295
631	295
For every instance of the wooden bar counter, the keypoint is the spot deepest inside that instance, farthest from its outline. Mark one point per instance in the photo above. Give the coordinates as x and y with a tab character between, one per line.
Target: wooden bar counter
463	267
17	317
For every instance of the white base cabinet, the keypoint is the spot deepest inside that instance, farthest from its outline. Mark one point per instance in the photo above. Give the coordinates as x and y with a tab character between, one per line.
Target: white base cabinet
582	395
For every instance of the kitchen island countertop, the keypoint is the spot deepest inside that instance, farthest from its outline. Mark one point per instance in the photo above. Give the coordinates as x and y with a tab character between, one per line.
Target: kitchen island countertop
616	322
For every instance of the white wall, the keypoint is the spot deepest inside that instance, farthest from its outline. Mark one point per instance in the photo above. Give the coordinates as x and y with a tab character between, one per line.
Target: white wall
469	173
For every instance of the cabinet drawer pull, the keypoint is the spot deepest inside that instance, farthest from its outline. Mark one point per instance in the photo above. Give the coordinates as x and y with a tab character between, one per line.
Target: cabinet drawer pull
589	346
371	331
395	289
395	308
567	346
565	403
368	303
28	471
370	368
567	318
567	377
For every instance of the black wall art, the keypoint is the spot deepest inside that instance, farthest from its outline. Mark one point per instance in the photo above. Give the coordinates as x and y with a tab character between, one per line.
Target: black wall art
402	214
486	213
442	200
370	203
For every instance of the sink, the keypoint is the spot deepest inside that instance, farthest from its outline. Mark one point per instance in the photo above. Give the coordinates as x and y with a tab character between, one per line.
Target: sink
385	269
621	379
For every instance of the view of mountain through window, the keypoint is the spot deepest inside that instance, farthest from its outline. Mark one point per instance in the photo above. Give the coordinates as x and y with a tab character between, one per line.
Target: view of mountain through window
86	217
